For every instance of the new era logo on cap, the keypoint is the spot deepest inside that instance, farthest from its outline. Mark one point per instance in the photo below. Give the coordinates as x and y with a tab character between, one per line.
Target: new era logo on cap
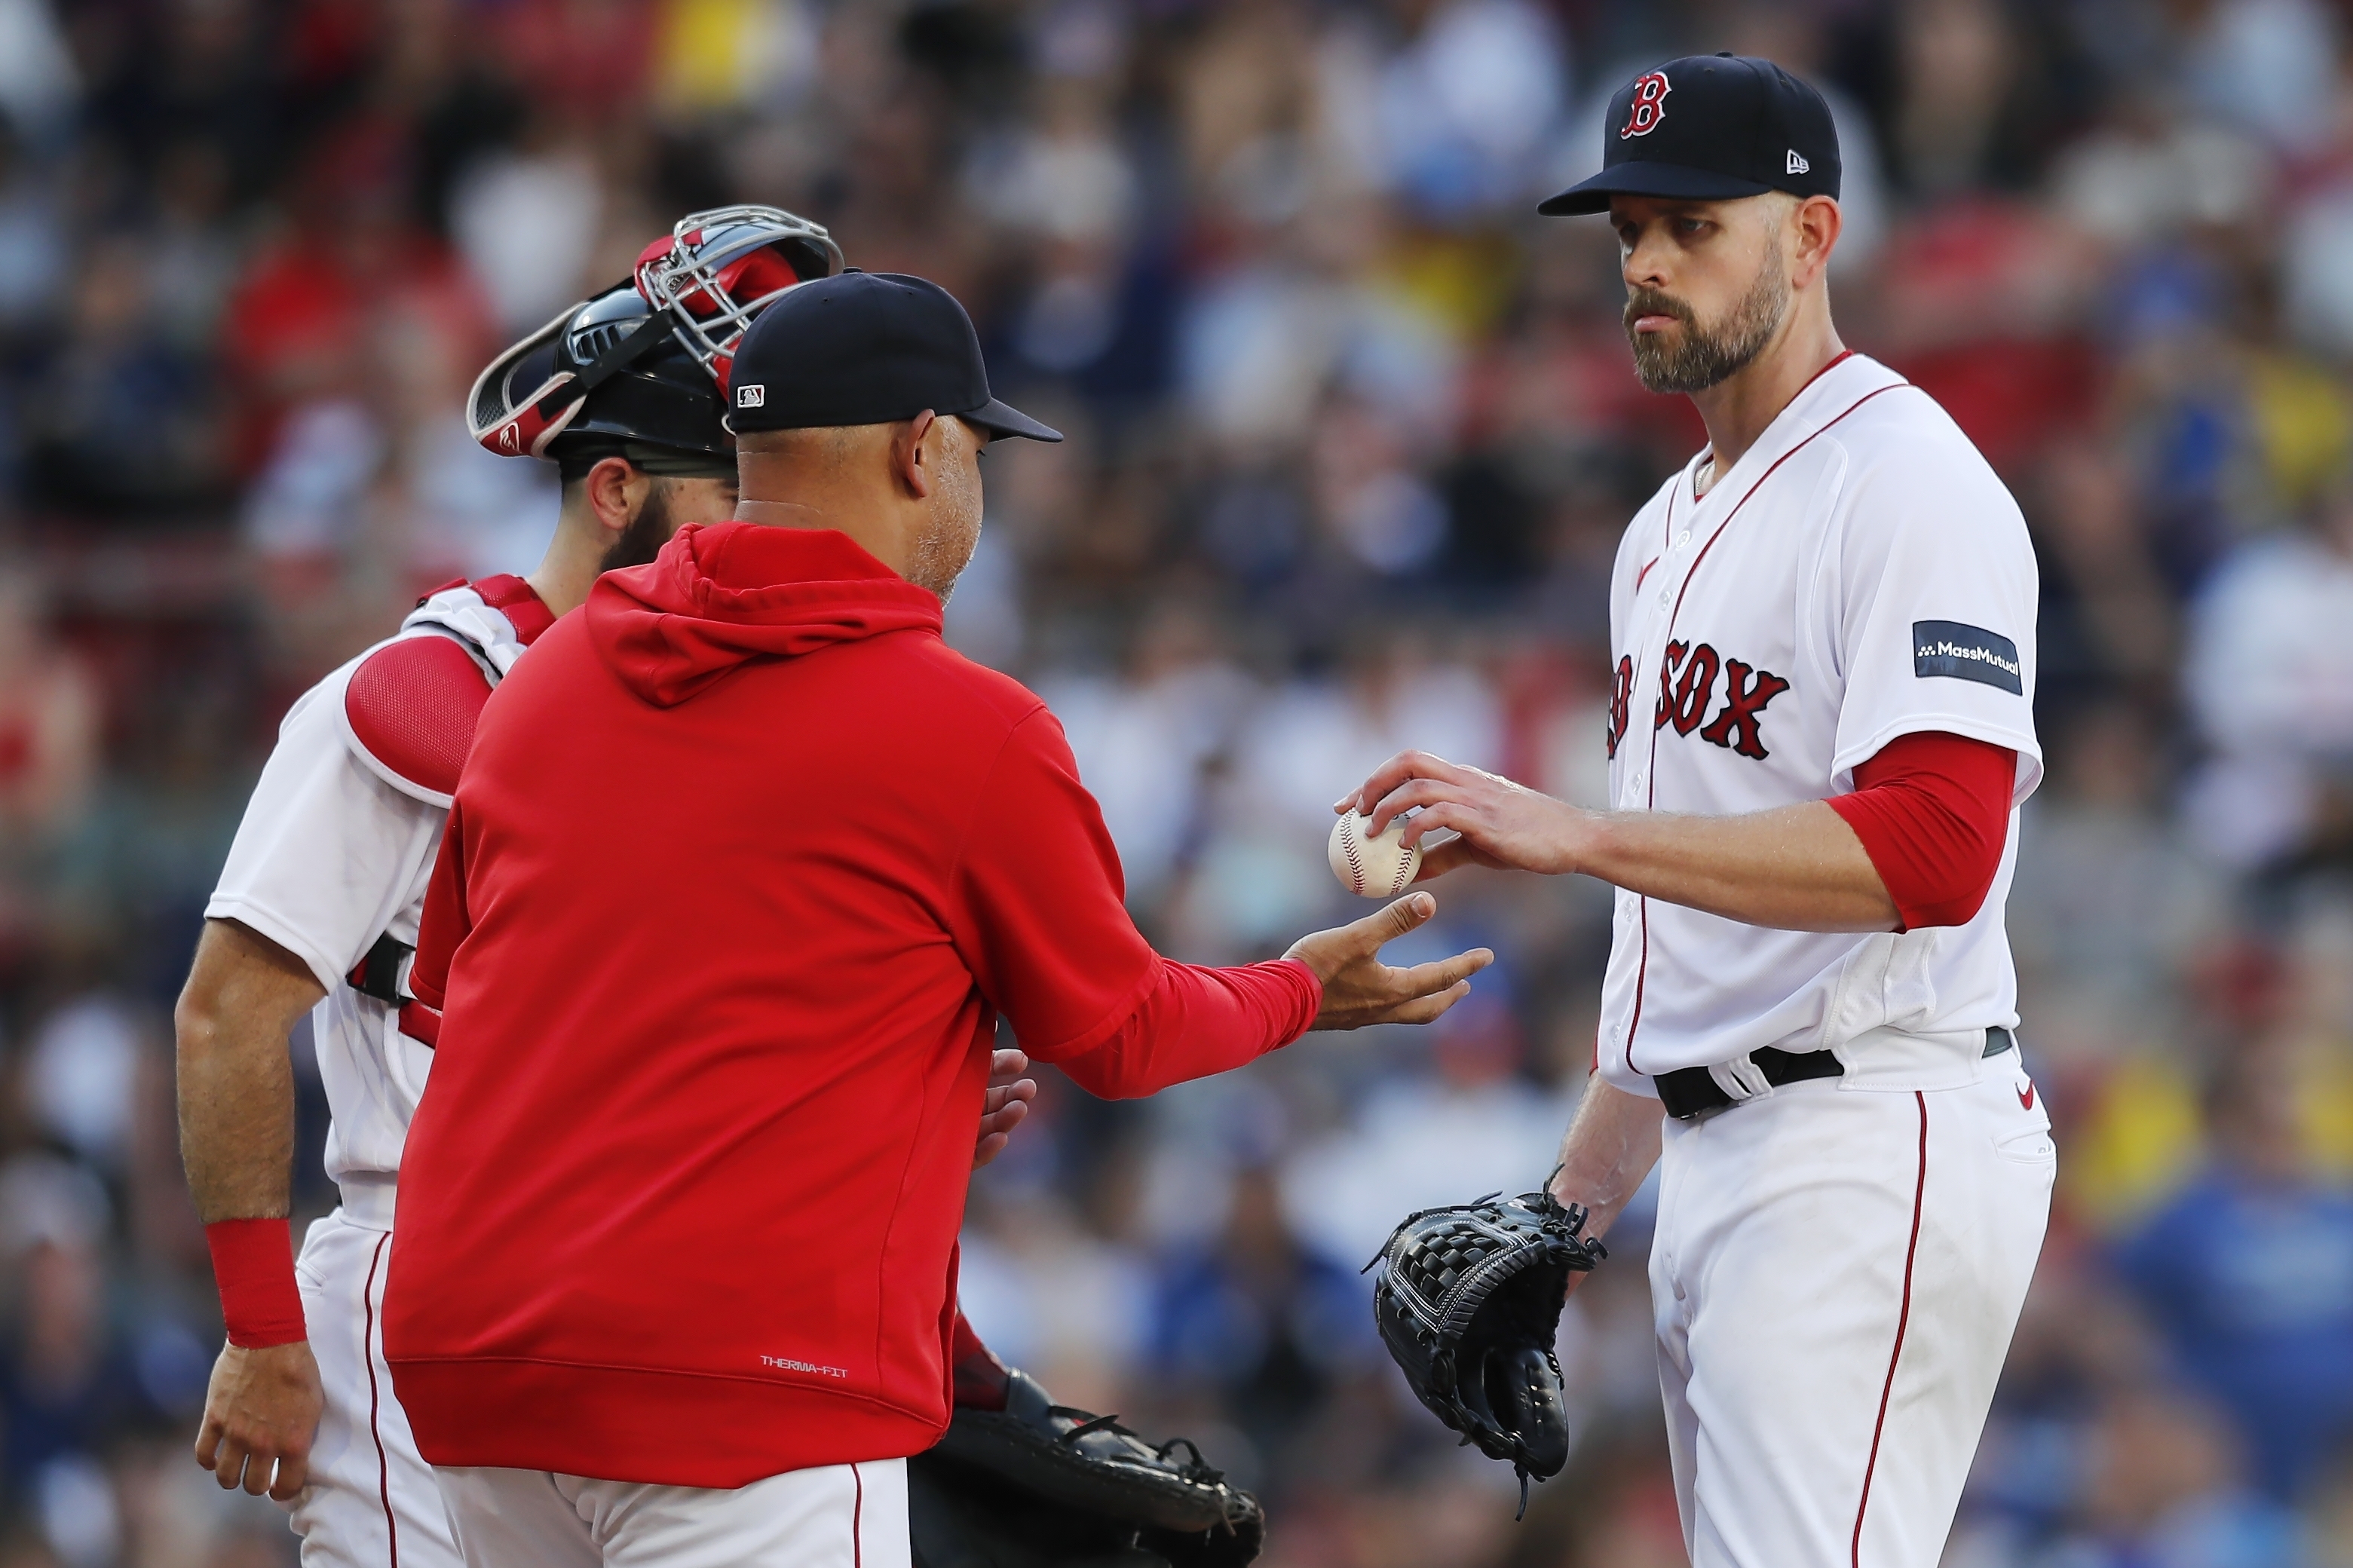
752	397
1798	164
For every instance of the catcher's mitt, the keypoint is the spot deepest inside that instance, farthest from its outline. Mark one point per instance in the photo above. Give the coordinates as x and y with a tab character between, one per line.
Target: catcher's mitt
1468	1301
1040	1484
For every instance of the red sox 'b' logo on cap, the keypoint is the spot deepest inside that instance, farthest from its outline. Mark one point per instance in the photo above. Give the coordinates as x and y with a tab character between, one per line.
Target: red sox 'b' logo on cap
1650	104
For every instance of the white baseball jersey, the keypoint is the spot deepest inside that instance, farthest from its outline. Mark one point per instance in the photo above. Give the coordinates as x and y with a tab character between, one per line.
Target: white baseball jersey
338	841
1859	575
330	863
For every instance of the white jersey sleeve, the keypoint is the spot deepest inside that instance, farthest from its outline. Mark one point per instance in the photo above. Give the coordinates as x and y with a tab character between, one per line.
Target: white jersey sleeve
1932	595
329	856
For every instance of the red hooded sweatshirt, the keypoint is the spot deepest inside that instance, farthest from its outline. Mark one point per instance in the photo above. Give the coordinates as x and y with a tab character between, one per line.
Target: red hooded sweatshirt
743	867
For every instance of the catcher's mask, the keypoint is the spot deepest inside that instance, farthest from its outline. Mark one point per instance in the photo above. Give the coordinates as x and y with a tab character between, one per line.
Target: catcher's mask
648	360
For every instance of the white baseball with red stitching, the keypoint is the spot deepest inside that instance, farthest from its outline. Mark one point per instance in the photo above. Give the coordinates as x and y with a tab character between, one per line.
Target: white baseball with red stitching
1373	865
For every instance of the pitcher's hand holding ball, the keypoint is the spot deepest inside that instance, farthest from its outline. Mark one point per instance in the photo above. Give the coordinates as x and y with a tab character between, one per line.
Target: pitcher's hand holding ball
1498	823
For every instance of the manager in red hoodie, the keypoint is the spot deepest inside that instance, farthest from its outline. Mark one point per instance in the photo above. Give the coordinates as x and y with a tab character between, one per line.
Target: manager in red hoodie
745	868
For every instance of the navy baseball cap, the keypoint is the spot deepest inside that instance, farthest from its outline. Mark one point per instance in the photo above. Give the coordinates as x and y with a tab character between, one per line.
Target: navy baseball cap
866	348
1709	127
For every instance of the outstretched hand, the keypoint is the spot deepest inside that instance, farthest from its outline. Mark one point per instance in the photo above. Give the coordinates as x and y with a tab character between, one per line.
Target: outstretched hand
1499	824
1004	1106
1360	990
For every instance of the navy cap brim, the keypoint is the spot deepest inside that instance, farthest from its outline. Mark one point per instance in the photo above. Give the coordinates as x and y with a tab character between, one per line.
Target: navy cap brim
1674	180
1000	418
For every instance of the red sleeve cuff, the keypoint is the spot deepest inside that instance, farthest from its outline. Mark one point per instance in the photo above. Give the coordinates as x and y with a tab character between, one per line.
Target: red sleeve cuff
253	1265
1305	1005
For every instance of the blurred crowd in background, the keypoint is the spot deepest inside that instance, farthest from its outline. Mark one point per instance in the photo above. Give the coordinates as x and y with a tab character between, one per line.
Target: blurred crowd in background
1353	437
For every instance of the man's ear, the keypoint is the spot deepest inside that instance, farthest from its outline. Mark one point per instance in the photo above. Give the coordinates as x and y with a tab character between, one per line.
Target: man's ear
609	483
911	456
1819	224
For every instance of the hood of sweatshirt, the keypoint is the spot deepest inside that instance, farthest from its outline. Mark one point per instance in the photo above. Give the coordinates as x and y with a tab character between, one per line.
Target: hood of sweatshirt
722	595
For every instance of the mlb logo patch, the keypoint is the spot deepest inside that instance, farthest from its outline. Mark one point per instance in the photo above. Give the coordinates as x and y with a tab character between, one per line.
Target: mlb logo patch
754	395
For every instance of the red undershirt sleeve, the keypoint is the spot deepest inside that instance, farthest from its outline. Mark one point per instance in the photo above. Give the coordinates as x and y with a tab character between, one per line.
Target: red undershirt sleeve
1933	812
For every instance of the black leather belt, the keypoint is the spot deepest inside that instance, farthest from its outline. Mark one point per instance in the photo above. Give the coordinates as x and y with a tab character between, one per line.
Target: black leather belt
1689	1093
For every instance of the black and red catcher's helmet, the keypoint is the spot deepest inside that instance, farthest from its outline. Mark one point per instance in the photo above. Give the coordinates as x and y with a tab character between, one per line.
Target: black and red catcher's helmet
648	360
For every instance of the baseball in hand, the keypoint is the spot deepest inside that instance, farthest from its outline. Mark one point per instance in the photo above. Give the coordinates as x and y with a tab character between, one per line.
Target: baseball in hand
1372	865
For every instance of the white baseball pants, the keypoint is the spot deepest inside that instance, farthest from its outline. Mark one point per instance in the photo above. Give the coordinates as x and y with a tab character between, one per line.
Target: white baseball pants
1835	1276
833	1516
371	1502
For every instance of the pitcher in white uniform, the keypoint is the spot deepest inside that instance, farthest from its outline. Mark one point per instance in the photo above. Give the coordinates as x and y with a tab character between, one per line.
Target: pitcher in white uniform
1822	634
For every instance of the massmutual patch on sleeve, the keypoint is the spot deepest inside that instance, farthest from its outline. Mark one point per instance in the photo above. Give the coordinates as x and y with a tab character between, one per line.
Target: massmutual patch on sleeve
1966	653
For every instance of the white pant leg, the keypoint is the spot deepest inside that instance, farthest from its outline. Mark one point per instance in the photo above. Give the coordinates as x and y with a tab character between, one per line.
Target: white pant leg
833	1516
371	1502
1835	1276
515	1518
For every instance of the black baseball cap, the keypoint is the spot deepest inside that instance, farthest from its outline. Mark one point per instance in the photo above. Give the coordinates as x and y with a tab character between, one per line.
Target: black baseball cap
1709	127
866	348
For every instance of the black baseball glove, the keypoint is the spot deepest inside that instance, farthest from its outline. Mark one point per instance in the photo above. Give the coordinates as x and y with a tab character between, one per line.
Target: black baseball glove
1468	1301
1040	1484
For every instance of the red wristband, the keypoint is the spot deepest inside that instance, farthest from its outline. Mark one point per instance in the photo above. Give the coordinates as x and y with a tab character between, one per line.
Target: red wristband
253	1265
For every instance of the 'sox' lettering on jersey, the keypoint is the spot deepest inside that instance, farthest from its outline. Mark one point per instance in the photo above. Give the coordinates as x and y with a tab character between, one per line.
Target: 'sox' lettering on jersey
1967	653
1744	709
1684	702
1693	691
1665	707
1622	699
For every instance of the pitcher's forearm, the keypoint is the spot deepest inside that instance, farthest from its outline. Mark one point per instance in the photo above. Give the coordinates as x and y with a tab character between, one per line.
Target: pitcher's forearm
1798	867
1611	1143
236	1079
1795	867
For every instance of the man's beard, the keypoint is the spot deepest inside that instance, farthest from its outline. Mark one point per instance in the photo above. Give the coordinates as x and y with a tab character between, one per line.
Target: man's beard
647	532
945	548
1700	358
